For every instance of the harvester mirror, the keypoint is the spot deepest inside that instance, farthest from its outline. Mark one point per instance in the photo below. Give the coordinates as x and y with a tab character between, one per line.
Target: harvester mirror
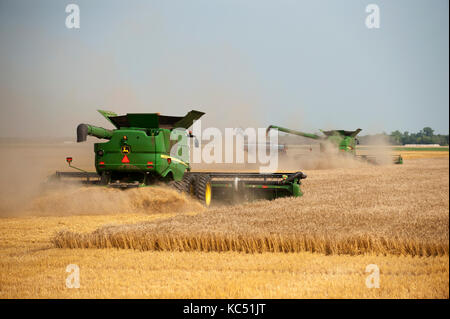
196	144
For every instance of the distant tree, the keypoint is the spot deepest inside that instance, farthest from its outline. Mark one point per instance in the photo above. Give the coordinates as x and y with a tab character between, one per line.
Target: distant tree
405	137
396	138
428	131
427	139
424	136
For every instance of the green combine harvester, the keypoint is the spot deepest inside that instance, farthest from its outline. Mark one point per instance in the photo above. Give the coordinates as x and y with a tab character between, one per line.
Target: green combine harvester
138	154
344	141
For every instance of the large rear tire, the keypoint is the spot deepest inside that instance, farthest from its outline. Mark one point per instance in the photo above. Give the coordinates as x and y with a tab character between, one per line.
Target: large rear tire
203	189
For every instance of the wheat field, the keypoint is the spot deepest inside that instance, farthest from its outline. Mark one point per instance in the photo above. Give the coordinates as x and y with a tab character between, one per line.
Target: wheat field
398	210
317	246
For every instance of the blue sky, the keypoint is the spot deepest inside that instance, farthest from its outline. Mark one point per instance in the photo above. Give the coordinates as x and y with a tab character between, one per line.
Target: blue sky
302	64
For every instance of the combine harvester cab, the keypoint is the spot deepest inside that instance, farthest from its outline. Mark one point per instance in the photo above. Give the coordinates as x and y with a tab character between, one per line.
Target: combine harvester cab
138	154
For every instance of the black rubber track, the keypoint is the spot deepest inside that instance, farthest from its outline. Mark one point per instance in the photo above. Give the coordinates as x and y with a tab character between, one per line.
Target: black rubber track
184	185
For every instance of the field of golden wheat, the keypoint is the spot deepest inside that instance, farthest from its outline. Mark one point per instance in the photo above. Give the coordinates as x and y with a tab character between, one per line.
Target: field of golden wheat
399	210
317	246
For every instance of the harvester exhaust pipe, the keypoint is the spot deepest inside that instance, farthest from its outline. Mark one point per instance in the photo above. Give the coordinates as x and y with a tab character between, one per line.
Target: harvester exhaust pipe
83	130
82	133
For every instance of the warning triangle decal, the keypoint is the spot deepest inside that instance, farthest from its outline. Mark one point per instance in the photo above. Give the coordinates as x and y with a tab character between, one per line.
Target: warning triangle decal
125	159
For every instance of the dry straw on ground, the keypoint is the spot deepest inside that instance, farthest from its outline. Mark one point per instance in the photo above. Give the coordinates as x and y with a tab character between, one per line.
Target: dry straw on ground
400	210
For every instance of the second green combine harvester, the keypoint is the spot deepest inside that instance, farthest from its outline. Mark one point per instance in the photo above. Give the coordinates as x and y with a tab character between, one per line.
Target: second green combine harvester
139	153
344	141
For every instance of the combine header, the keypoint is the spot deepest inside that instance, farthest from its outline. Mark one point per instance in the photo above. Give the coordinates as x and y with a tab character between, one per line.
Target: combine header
344	141
138	154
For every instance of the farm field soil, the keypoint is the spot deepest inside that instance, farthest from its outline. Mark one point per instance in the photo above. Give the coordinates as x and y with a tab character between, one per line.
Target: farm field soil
423	154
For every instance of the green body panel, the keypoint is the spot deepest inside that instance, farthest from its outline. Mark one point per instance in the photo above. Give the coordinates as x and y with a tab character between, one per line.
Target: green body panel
398	159
296	191
343	143
147	151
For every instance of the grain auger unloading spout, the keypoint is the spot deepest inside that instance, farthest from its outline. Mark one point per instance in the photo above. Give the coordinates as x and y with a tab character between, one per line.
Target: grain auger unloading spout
139	153
343	140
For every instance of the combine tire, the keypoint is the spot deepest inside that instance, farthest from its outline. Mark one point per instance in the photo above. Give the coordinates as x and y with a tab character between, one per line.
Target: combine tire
203	189
186	185
105	178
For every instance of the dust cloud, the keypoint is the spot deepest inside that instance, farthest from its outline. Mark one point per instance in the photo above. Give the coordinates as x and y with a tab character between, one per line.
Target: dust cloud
378	147
26	167
301	157
377	152
85	200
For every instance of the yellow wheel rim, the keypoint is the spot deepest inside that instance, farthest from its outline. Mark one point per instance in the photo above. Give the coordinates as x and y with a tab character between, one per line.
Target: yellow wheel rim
208	194
191	190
